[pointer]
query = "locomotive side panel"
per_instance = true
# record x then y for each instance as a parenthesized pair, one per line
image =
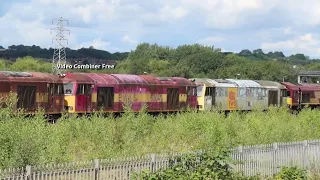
(155, 94)
(221, 98)
(251, 95)
(132, 92)
(276, 92)
(156, 98)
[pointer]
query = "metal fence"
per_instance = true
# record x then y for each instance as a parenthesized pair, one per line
(251, 160)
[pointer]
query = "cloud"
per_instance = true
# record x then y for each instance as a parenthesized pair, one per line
(98, 43)
(307, 44)
(211, 40)
(124, 23)
(128, 39)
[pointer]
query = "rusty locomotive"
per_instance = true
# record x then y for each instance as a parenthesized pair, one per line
(84, 93)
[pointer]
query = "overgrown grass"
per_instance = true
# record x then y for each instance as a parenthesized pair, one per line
(33, 141)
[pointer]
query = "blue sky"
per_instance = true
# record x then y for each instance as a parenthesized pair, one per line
(291, 26)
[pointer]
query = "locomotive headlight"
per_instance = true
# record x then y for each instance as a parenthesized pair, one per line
(69, 108)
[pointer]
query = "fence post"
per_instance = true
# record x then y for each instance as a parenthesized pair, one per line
(96, 164)
(240, 159)
(305, 154)
(153, 160)
(240, 149)
(275, 162)
(28, 172)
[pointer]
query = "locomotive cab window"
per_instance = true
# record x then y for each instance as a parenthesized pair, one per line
(192, 91)
(199, 90)
(209, 91)
(68, 88)
(58, 89)
(84, 89)
(286, 93)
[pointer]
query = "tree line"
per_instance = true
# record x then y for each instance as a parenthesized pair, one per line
(15, 51)
(185, 61)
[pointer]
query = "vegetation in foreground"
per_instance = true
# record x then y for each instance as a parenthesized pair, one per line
(215, 165)
(32, 141)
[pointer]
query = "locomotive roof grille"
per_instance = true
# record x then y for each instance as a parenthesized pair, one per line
(222, 81)
(164, 79)
(15, 74)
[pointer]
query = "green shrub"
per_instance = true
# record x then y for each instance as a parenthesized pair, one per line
(192, 166)
(33, 141)
(289, 173)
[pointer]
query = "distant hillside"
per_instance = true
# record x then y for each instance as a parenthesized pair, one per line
(88, 54)
(258, 54)
(92, 55)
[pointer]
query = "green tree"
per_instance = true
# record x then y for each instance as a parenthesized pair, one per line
(30, 64)
(2, 64)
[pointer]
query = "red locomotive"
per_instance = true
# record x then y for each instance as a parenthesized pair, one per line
(84, 93)
(301, 95)
(110, 92)
(33, 90)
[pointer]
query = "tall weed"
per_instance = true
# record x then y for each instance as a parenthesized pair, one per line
(33, 141)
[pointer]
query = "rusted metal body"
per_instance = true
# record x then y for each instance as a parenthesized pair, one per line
(300, 95)
(33, 90)
(111, 92)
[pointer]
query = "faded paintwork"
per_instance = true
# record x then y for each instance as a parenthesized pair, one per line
(226, 95)
(127, 88)
(275, 87)
(251, 94)
(310, 94)
(50, 103)
(76, 103)
(205, 102)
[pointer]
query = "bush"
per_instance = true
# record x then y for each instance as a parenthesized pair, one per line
(288, 173)
(193, 166)
(33, 141)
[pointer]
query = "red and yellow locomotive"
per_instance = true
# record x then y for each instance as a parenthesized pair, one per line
(301, 95)
(110, 92)
(33, 90)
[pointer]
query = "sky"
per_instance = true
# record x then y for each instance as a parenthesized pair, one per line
(290, 26)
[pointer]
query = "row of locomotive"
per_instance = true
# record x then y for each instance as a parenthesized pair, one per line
(245, 95)
(84, 93)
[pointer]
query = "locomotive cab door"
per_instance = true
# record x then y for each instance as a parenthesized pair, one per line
(50, 105)
(273, 98)
(88, 90)
(191, 93)
(84, 98)
(209, 98)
